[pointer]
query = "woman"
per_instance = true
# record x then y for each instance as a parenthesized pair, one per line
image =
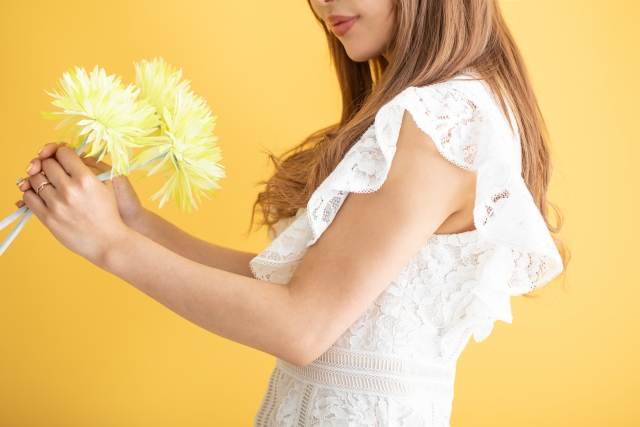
(397, 233)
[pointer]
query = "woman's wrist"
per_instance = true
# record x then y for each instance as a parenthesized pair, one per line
(139, 222)
(114, 248)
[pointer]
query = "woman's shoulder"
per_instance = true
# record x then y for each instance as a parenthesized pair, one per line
(466, 88)
(461, 115)
(465, 96)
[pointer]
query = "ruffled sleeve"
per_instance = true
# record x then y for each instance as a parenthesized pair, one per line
(468, 128)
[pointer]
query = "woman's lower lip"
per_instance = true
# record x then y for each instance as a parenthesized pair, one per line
(342, 28)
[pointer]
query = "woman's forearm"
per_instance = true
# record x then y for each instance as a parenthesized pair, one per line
(179, 241)
(255, 313)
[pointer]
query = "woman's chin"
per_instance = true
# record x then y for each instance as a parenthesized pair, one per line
(360, 55)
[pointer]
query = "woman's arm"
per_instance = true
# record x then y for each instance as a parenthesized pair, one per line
(163, 232)
(372, 237)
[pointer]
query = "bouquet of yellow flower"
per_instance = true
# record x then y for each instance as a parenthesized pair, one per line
(170, 126)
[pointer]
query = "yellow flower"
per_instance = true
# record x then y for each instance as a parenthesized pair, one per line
(158, 83)
(100, 107)
(188, 151)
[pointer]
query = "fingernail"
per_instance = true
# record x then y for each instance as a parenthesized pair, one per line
(29, 167)
(41, 148)
(20, 181)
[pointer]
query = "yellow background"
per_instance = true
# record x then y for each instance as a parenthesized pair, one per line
(79, 347)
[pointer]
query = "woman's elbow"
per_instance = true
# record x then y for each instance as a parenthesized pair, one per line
(308, 334)
(303, 353)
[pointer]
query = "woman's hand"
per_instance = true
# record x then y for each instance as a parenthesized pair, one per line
(79, 210)
(152, 225)
(129, 206)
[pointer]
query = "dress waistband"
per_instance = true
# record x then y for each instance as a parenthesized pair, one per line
(379, 374)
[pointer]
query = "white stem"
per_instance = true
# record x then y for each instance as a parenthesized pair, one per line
(82, 146)
(27, 212)
(107, 175)
(12, 235)
(8, 220)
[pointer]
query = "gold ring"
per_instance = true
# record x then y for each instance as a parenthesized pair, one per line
(20, 182)
(40, 187)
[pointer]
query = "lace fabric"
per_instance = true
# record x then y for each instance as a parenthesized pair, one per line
(376, 373)
(458, 285)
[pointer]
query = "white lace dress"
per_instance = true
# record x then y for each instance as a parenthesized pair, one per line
(395, 366)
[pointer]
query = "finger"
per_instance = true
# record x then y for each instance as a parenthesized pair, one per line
(45, 151)
(54, 172)
(20, 203)
(47, 191)
(49, 149)
(34, 166)
(36, 204)
(94, 163)
(94, 170)
(72, 163)
(25, 185)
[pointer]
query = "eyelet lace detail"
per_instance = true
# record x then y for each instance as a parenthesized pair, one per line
(456, 287)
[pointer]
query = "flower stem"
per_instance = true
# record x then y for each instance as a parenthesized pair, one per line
(82, 146)
(107, 175)
(12, 235)
(8, 220)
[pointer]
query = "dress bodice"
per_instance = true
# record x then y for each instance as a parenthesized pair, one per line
(395, 365)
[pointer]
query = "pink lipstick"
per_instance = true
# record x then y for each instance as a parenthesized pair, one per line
(341, 24)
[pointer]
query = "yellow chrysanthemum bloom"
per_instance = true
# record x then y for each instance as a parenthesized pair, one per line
(100, 107)
(159, 82)
(188, 154)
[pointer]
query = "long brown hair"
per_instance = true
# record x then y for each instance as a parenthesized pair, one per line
(435, 40)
